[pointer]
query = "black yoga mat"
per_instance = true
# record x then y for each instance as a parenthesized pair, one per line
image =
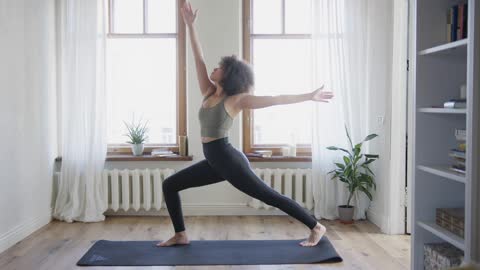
(208, 252)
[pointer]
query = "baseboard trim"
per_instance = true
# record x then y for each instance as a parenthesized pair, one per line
(207, 209)
(23, 230)
(375, 218)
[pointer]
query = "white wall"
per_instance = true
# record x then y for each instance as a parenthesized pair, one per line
(27, 117)
(28, 102)
(380, 106)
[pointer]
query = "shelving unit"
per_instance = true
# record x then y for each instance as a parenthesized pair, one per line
(439, 68)
(444, 172)
(443, 234)
(442, 110)
(445, 48)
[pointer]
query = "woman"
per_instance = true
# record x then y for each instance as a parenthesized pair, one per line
(225, 94)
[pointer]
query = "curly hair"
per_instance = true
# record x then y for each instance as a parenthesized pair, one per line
(237, 75)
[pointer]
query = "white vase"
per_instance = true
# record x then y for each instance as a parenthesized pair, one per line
(137, 149)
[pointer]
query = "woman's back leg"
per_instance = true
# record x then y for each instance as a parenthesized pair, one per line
(198, 174)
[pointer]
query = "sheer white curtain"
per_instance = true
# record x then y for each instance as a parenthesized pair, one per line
(346, 35)
(82, 109)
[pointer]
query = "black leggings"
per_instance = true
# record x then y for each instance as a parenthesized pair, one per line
(224, 162)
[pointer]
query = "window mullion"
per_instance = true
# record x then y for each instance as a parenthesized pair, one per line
(145, 16)
(283, 16)
(110, 17)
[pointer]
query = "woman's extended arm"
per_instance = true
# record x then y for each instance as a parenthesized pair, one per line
(202, 74)
(257, 102)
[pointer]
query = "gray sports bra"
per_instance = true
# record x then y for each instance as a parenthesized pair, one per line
(214, 121)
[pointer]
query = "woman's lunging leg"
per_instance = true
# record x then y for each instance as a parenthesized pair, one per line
(251, 184)
(198, 174)
(237, 170)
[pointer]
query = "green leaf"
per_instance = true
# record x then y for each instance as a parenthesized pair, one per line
(348, 136)
(338, 148)
(340, 165)
(368, 169)
(369, 137)
(137, 133)
(357, 158)
(368, 161)
(369, 195)
(371, 156)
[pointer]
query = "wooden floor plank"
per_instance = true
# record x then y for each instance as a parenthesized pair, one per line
(60, 245)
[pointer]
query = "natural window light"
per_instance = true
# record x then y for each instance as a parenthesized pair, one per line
(280, 54)
(142, 68)
(278, 73)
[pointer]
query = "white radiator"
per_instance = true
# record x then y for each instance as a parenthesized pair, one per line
(134, 189)
(142, 188)
(293, 183)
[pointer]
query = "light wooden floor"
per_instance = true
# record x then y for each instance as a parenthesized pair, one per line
(60, 245)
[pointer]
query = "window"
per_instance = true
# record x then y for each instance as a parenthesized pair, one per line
(277, 37)
(146, 71)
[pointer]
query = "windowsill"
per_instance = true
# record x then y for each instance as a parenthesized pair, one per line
(280, 159)
(130, 157)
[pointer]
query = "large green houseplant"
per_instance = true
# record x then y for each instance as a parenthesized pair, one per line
(355, 173)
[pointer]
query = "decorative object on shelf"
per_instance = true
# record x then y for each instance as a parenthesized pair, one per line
(293, 145)
(355, 174)
(137, 133)
(183, 145)
(451, 219)
(441, 256)
(461, 134)
(463, 91)
(285, 151)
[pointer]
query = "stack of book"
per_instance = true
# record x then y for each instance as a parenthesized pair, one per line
(457, 22)
(455, 103)
(158, 152)
(458, 153)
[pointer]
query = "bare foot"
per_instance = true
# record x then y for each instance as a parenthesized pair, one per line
(178, 239)
(315, 236)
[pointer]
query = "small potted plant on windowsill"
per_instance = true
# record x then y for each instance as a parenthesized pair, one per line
(137, 133)
(355, 174)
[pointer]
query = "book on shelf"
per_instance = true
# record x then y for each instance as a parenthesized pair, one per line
(457, 21)
(457, 153)
(449, 25)
(454, 11)
(455, 168)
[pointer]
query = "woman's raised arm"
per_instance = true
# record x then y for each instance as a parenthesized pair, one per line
(256, 102)
(202, 74)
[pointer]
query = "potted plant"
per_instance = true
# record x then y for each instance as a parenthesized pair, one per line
(137, 133)
(355, 173)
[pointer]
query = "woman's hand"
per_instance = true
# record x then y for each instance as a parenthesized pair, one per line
(320, 95)
(187, 13)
